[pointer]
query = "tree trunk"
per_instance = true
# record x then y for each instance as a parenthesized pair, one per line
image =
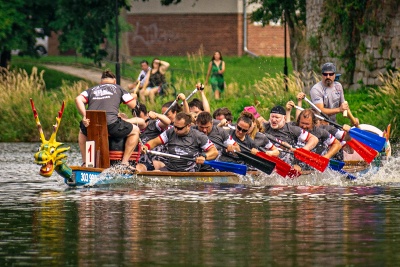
(5, 58)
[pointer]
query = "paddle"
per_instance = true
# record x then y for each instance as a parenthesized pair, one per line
(198, 87)
(263, 165)
(223, 166)
(365, 137)
(366, 152)
(281, 167)
(336, 164)
(313, 159)
(348, 175)
(136, 88)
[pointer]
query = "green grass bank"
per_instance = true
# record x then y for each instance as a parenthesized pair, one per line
(250, 81)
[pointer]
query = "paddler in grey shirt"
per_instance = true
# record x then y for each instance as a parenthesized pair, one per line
(204, 124)
(182, 140)
(285, 132)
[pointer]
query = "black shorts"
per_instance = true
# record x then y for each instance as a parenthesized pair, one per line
(118, 129)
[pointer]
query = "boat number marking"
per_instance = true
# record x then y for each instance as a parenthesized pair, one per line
(88, 177)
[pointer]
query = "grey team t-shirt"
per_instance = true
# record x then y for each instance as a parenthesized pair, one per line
(190, 145)
(331, 97)
(107, 97)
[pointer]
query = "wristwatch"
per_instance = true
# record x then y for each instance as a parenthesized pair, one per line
(203, 154)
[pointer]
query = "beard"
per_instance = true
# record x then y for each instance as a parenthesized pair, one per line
(278, 125)
(328, 82)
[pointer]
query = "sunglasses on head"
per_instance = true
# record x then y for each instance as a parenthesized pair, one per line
(179, 128)
(240, 129)
(328, 74)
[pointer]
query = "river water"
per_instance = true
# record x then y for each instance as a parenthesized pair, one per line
(318, 221)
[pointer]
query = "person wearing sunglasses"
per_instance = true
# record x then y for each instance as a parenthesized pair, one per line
(240, 135)
(204, 124)
(327, 94)
(184, 141)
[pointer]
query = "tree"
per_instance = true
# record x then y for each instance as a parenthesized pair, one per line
(294, 13)
(83, 24)
(19, 18)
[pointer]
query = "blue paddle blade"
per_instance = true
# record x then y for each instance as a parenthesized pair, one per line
(367, 138)
(227, 166)
(348, 175)
(336, 165)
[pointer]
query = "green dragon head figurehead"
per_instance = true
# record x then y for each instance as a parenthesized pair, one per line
(50, 155)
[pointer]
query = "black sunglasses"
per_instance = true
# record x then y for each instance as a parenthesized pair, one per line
(240, 129)
(328, 74)
(179, 128)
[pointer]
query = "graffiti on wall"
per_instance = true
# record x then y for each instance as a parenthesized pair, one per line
(151, 34)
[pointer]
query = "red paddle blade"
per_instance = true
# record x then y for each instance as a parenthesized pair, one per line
(293, 173)
(281, 167)
(313, 159)
(366, 152)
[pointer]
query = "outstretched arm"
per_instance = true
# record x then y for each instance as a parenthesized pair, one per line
(312, 141)
(165, 121)
(204, 99)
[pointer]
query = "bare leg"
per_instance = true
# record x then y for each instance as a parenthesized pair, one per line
(142, 95)
(158, 164)
(82, 145)
(152, 94)
(141, 167)
(130, 144)
(216, 94)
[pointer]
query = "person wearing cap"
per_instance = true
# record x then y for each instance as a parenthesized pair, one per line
(327, 94)
(257, 115)
(288, 133)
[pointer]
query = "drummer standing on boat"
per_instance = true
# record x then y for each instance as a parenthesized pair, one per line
(327, 94)
(108, 96)
(184, 141)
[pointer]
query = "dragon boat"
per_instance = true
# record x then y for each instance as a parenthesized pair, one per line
(103, 152)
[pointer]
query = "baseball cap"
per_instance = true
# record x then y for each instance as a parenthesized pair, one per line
(328, 67)
(278, 110)
(252, 110)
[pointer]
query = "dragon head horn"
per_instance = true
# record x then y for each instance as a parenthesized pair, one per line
(39, 126)
(58, 121)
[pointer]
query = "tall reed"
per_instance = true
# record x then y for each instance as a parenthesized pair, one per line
(16, 117)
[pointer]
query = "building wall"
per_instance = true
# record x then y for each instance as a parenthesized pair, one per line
(376, 53)
(176, 34)
(184, 28)
(268, 40)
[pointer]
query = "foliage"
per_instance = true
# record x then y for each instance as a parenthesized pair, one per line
(345, 21)
(264, 91)
(19, 18)
(84, 24)
(17, 88)
(54, 79)
(384, 101)
(294, 11)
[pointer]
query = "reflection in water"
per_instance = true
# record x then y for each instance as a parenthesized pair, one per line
(339, 223)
